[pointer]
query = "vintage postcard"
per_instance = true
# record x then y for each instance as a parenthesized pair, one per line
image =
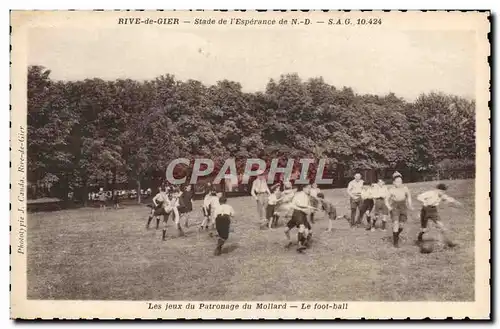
(250, 164)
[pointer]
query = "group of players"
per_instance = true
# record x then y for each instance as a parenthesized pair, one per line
(297, 206)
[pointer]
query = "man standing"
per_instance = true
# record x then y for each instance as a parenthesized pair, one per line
(354, 189)
(102, 198)
(260, 192)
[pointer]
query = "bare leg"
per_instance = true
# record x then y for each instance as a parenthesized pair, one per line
(287, 234)
(444, 234)
(301, 237)
(384, 222)
(218, 249)
(395, 232)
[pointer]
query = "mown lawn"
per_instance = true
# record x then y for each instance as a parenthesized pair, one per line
(89, 254)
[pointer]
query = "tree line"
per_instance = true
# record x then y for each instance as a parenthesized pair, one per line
(88, 133)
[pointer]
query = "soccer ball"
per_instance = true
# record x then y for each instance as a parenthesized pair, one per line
(427, 247)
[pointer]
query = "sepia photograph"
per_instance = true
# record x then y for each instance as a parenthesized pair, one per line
(250, 164)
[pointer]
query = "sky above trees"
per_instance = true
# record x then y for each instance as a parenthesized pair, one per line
(406, 63)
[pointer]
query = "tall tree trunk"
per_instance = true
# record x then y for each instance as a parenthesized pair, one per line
(85, 193)
(139, 189)
(113, 187)
(65, 189)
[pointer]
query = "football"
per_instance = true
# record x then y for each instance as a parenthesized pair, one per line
(427, 247)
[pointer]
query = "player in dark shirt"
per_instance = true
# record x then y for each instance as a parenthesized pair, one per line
(329, 209)
(186, 204)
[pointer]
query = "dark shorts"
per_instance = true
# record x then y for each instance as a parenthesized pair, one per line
(158, 210)
(399, 211)
(206, 211)
(355, 203)
(270, 211)
(222, 223)
(298, 218)
(332, 214)
(314, 202)
(379, 207)
(366, 205)
(428, 213)
(184, 210)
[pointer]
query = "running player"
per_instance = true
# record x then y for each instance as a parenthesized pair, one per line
(329, 209)
(301, 207)
(284, 205)
(157, 208)
(171, 206)
(272, 201)
(186, 204)
(224, 214)
(207, 210)
(398, 202)
(430, 201)
(379, 194)
(366, 206)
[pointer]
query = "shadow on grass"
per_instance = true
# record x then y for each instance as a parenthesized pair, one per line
(230, 248)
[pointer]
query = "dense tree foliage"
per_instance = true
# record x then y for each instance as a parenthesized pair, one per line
(91, 133)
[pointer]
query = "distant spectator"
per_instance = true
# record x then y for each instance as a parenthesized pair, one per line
(102, 198)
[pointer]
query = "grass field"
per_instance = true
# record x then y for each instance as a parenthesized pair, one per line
(89, 254)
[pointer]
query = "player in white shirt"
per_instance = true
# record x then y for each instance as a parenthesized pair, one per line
(210, 203)
(223, 215)
(157, 208)
(379, 194)
(171, 206)
(398, 203)
(354, 189)
(284, 205)
(272, 201)
(430, 201)
(301, 208)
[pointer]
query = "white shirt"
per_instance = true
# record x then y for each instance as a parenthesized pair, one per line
(260, 186)
(366, 193)
(379, 191)
(160, 197)
(287, 196)
(314, 192)
(399, 193)
(273, 199)
(206, 200)
(225, 209)
(214, 203)
(170, 204)
(301, 199)
(433, 198)
(354, 188)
